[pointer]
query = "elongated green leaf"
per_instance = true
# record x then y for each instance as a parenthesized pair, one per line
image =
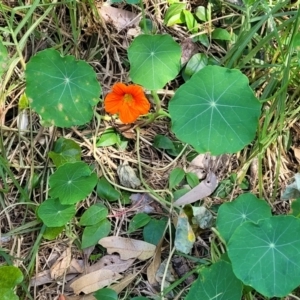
(154, 60)
(138, 221)
(72, 182)
(106, 294)
(174, 14)
(106, 191)
(93, 215)
(55, 214)
(153, 231)
(266, 255)
(4, 59)
(62, 90)
(215, 111)
(244, 208)
(92, 234)
(216, 282)
(176, 177)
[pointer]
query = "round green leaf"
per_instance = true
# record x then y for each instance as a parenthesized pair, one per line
(62, 90)
(72, 182)
(8, 294)
(244, 208)
(55, 214)
(106, 294)
(92, 234)
(10, 276)
(65, 150)
(215, 111)
(266, 255)
(154, 60)
(93, 215)
(216, 282)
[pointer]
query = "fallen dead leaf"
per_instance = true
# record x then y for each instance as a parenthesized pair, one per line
(111, 262)
(153, 267)
(128, 248)
(198, 166)
(204, 189)
(142, 203)
(296, 153)
(94, 281)
(82, 297)
(61, 265)
(127, 176)
(120, 286)
(120, 18)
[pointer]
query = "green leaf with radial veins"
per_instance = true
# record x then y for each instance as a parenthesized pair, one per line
(244, 208)
(215, 111)
(216, 282)
(266, 255)
(72, 182)
(154, 60)
(61, 90)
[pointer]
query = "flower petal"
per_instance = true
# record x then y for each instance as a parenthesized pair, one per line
(120, 89)
(128, 114)
(112, 103)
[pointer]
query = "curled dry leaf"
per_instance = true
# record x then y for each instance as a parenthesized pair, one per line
(160, 274)
(143, 203)
(203, 217)
(94, 281)
(127, 176)
(120, 18)
(128, 248)
(153, 267)
(204, 189)
(61, 265)
(111, 262)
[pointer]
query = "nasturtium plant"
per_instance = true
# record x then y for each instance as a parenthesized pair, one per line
(72, 182)
(93, 215)
(65, 150)
(10, 276)
(55, 214)
(216, 282)
(154, 60)
(215, 111)
(266, 255)
(61, 90)
(244, 208)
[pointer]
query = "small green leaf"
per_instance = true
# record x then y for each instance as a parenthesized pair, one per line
(132, 1)
(216, 282)
(106, 191)
(295, 206)
(196, 63)
(220, 116)
(221, 34)
(154, 230)
(266, 255)
(93, 215)
(244, 208)
(72, 182)
(65, 150)
(204, 40)
(55, 214)
(139, 298)
(10, 276)
(4, 59)
(176, 177)
(92, 234)
(192, 179)
(173, 14)
(190, 21)
(179, 193)
(106, 293)
(108, 138)
(138, 221)
(296, 41)
(162, 142)
(61, 89)
(51, 233)
(149, 55)
(201, 13)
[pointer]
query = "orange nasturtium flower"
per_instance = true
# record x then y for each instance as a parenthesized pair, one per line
(129, 101)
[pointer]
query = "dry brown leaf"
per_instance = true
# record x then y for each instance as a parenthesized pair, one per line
(111, 262)
(82, 297)
(127, 176)
(94, 281)
(296, 153)
(41, 278)
(198, 166)
(204, 189)
(189, 48)
(61, 265)
(120, 286)
(120, 18)
(128, 248)
(76, 266)
(153, 267)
